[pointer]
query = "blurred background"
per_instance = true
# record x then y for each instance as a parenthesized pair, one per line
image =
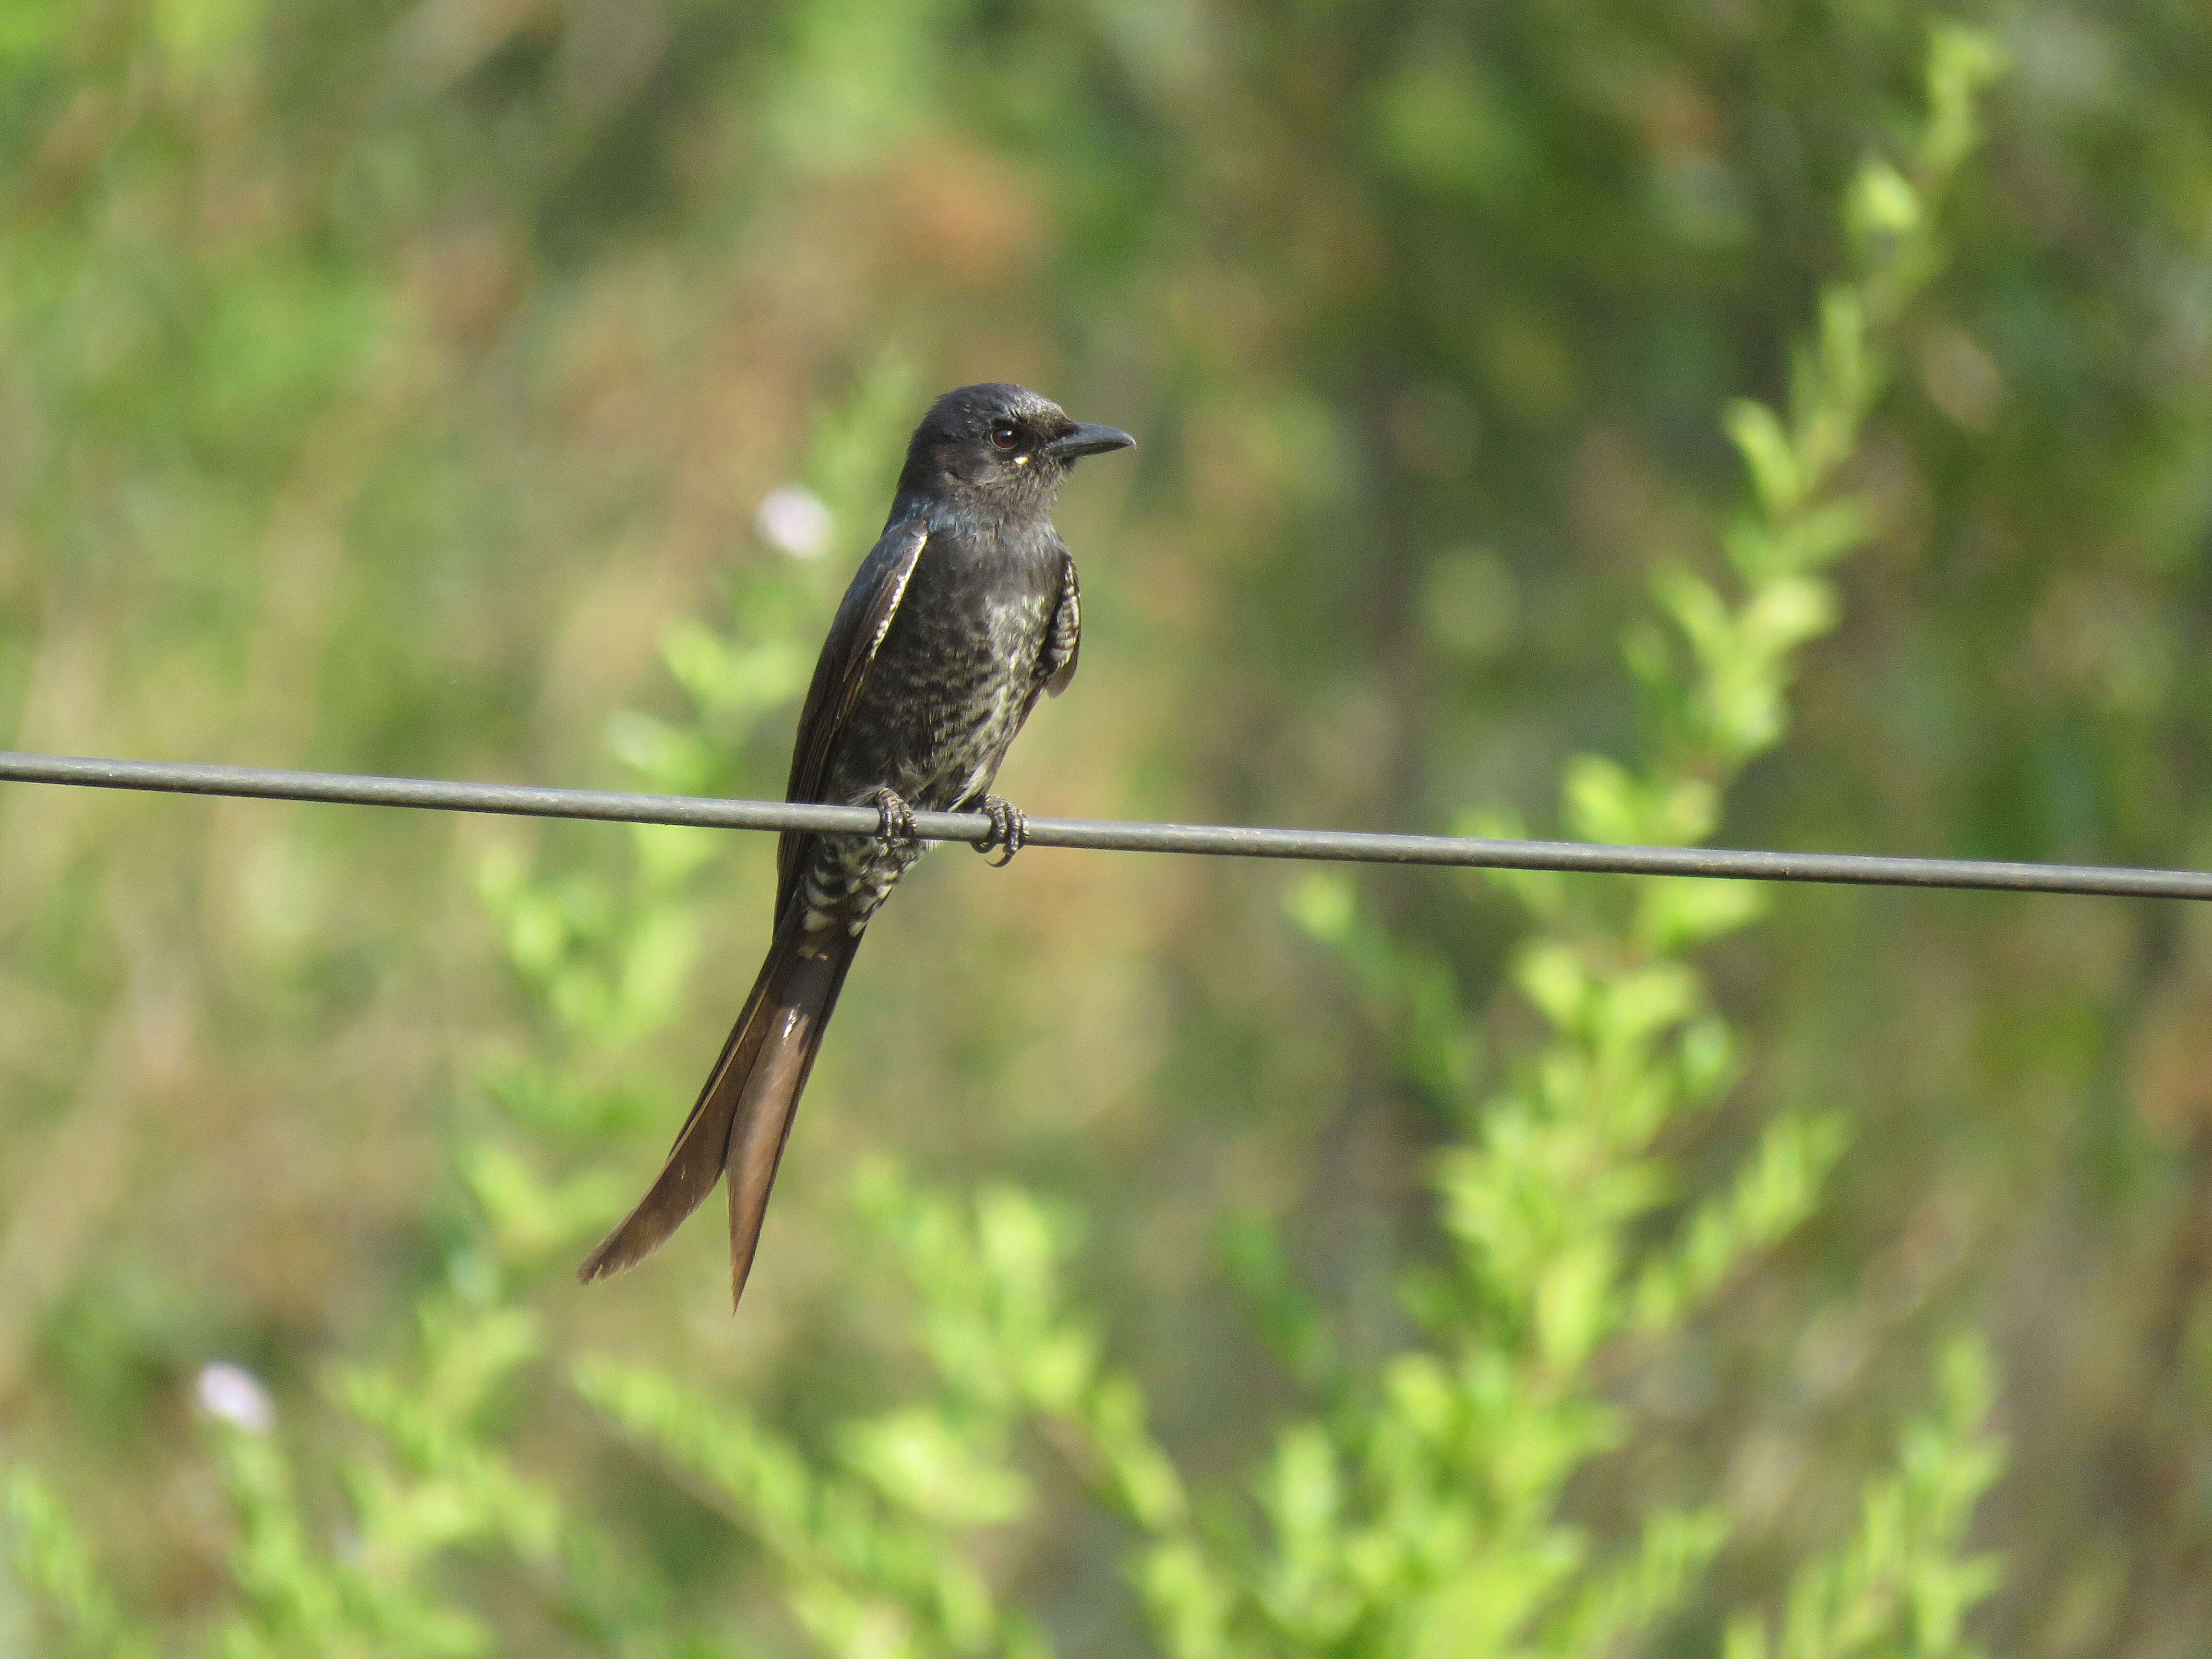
(397, 387)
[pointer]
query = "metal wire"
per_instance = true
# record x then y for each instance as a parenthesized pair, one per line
(1227, 840)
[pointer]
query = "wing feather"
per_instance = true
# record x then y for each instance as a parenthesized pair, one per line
(1065, 641)
(863, 618)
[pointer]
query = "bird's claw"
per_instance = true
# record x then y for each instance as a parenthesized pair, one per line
(894, 820)
(1010, 829)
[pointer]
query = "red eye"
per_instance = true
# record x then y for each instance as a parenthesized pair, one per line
(1003, 434)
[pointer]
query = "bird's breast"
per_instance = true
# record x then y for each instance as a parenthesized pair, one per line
(956, 670)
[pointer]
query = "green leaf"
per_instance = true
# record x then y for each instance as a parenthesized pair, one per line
(1766, 452)
(1322, 903)
(1881, 202)
(53, 1562)
(1675, 915)
(922, 1464)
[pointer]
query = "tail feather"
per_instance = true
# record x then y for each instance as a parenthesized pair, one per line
(744, 1113)
(770, 1102)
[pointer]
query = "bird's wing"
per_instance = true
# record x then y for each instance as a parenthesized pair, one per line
(856, 635)
(1066, 639)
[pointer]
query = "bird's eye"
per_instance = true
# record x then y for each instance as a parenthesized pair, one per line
(1003, 434)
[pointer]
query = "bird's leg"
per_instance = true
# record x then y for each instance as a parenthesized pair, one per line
(1010, 828)
(895, 819)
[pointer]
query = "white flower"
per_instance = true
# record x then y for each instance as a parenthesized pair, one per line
(792, 519)
(231, 1394)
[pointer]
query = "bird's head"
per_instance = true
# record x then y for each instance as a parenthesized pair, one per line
(999, 447)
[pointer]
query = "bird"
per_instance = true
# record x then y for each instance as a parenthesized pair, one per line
(963, 614)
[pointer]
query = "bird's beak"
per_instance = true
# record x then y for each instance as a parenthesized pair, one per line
(1088, 441)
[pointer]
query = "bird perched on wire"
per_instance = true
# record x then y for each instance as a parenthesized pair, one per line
(963, 614)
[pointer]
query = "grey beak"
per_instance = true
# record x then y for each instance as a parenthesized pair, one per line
(1089, 441)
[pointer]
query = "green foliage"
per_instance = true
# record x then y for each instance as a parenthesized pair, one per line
(1425, 1505)
(868, 1557)
(53, 1562)
(1551, 1201)
(380, 379)
(1904, 1583)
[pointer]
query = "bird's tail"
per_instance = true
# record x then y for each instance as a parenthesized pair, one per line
(744, 1112)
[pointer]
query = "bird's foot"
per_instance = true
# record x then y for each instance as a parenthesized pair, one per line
(895, 820)
(1010, 829)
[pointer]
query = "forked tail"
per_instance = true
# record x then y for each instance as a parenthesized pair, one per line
(744, 1114)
